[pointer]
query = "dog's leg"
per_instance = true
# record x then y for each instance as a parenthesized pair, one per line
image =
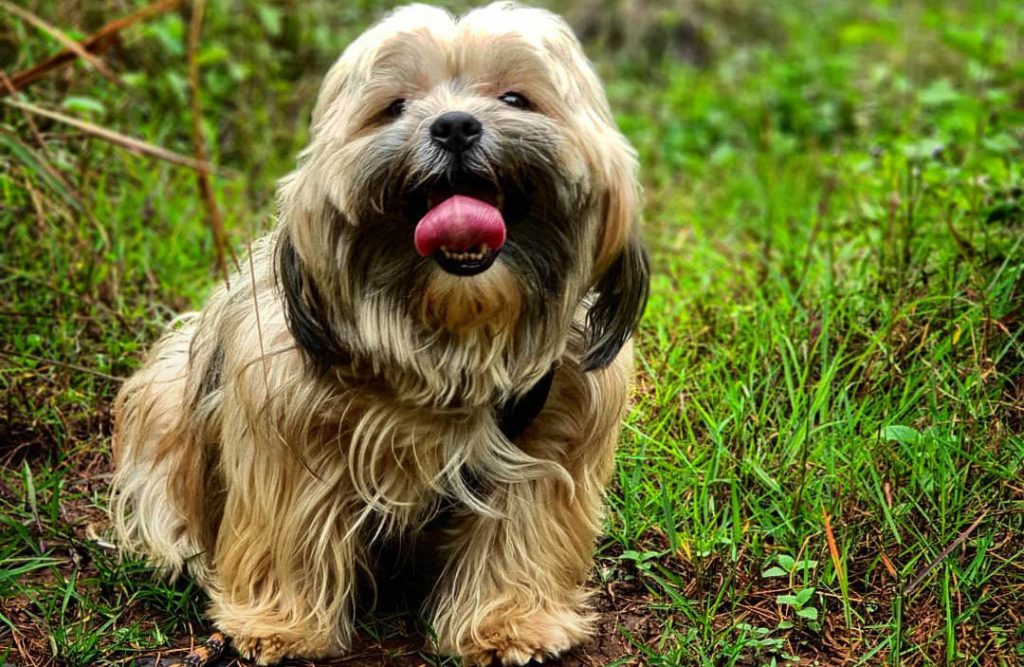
(285, 577)
(147, 449)
(513, 588)
(285, 557)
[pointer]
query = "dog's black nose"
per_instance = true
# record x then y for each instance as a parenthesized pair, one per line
(456, 131)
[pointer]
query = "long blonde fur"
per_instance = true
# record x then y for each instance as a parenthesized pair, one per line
(272, 484)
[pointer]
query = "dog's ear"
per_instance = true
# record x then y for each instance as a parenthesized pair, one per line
(308, 228)
(305, 313)
(621, 272)
(621, 294)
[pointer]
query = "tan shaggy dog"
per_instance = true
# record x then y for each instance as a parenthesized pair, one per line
(431, 348)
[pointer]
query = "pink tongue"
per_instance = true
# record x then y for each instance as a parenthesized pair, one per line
(459, 223)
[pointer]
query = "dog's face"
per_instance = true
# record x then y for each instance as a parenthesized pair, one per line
(464, 188)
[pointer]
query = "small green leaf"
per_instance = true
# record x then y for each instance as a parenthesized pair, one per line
(30, 489)
(215, 53)
(1000, 143)
(270, 17)
(939, 93)
(774, 571)
(901, 434)
(787, 562)
(82, 104)
(810, 613)
(804, 596)
(170, 33)
(787, 600)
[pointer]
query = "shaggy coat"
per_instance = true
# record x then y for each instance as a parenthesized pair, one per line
(343, 392)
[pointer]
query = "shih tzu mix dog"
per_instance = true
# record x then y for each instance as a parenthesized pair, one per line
(434, 339)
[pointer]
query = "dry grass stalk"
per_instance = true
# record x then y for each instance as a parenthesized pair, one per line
(214, 218)
(96, 43)
(130, 143)
(964, 534)
(62, 37)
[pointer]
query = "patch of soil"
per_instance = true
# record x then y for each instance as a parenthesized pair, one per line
(621, 606)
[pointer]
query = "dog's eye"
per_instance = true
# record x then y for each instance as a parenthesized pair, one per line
(515, 100)
(395, 109)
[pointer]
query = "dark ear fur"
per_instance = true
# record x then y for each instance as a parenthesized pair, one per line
(615, 313)
(304, 310)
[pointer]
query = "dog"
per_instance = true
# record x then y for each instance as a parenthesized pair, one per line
(434, 337)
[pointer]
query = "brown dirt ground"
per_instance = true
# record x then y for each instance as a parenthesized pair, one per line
(621, 607)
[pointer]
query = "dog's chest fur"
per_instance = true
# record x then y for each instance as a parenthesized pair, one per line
(353, 432)
(404, 462)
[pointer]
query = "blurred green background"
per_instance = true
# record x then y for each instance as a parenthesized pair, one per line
(824, 458)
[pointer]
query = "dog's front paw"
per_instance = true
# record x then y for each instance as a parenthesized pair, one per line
(513, 639)
(263, 650)
(275, 648)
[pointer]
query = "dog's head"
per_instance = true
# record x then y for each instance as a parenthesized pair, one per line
(464, 188)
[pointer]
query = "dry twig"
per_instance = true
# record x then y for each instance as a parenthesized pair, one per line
(61, 36)
(98, 42)
(945, 552)
(61, 364)
(130, 143)
(205, 188)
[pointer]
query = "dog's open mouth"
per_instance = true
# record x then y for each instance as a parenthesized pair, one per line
(463, 228)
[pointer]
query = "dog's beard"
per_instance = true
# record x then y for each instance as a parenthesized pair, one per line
(444, 338)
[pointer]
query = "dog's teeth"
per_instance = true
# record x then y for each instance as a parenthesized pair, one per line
(477, 254)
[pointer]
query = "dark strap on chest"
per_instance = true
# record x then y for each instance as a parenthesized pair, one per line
(516, 415)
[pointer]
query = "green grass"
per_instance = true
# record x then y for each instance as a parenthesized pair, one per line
(835, 207)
